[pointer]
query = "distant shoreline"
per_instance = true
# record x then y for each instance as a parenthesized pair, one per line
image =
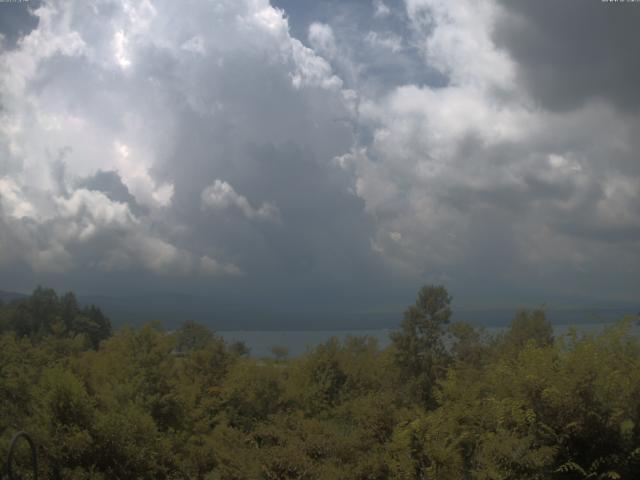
(260, 342)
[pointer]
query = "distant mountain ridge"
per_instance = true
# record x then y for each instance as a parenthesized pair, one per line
(6, 296)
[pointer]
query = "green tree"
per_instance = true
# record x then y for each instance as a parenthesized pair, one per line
(419, 347)
(468, 344)
(44, 313)
(319, 377)
(193, 336)
(239, 349)
(528, 327)
(279, 352)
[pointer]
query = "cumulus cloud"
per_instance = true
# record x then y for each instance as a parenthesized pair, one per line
(391, 41)
(456, 39)
(118, 120)
(89, 92)
(473, 177)
(88, 229)
(221, 195)
(381, 10)
(322, 40)
(406, 140)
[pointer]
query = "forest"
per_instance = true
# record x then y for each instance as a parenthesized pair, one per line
(445, 400)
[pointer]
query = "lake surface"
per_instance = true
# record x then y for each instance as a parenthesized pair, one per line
(298, 342)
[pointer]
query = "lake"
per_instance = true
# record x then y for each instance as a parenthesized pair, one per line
(299, 341)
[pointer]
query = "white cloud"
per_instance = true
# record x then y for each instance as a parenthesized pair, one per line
(194, 44)
(322, 40)
(220, 195)
(211, 266)
(120, 49)
(472, 175)
(455, 38)
(88, 226)
(13, 201)
(95, 207)
(312, 70)
(111, 86)
(388, 41)
(160, 256)
(380, 10)
(448, 174)
(133, 168)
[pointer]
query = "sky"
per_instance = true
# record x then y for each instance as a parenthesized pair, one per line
(321, 157)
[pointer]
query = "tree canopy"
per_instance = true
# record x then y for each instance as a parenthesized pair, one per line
(442, 401)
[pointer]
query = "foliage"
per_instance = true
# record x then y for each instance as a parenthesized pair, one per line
(45, 313)
(420, 350)
(443, 401)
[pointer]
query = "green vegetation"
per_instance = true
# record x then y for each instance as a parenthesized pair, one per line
(443, 401)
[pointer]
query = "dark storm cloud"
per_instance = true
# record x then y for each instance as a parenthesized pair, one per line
(272, 146)
(572, 51)
(17, 20)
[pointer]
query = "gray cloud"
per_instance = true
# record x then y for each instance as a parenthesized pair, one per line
(326, 161)
(111, 185)
(148, 118)
(573, 51)
(221, 196)
(475, 185)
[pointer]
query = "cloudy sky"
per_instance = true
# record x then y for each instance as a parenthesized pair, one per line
(304, 153)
